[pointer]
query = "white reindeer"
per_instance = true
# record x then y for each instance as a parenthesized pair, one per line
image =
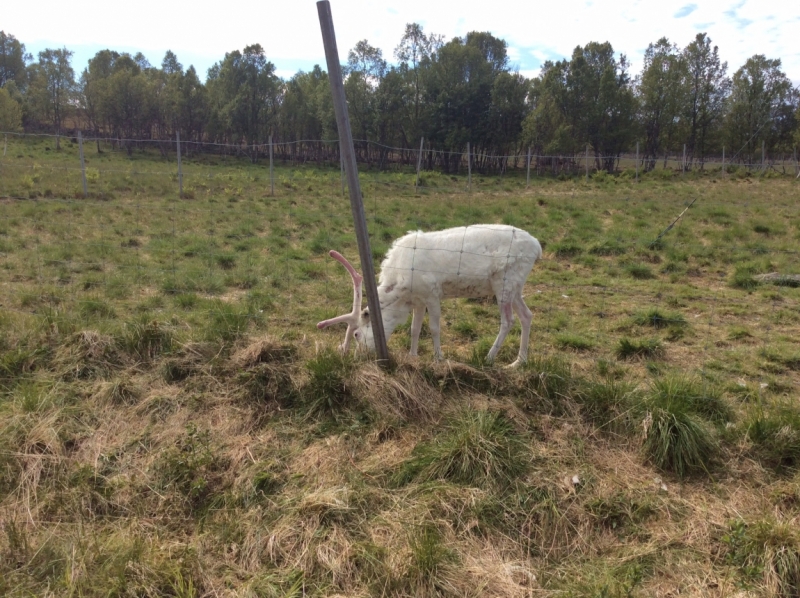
(421, 269)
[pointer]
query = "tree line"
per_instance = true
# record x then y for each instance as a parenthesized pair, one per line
(448, 92)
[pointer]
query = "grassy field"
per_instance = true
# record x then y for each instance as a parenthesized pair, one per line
(173, 424)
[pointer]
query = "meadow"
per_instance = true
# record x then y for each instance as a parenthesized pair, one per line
(172, 423)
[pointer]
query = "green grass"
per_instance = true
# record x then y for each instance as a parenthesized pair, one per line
(476, 448)
(173, 423)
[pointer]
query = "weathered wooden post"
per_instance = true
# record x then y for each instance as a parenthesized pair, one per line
(349, 162)
(723, 161)
(683, 167)
(528, 177)
(637, 161)
(469, 167)
(271, 170)
(419, 161)
(83, 164)
(763, 157)
(587, 162)
(180, 168)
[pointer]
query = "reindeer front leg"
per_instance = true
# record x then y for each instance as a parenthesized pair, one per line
(434, 316)
(416, 327)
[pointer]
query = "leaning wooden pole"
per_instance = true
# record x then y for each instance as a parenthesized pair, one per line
(351, 169)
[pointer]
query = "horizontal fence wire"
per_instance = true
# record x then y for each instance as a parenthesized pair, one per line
(518, 160)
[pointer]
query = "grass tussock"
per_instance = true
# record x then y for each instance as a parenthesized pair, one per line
(329, 389)
(403, 395)
(775, 434)
(639, 349)
(766, 554)
(475, 448)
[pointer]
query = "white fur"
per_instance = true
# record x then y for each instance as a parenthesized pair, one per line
(422, 268)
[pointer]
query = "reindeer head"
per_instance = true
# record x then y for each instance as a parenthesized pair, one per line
(358, 323)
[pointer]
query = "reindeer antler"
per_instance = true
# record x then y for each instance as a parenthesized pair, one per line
(350, 319)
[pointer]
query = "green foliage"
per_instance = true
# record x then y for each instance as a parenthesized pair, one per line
(475, 448)
(765, 552)
(10, 113)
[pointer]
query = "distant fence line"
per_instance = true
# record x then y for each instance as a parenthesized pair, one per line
(325, 152)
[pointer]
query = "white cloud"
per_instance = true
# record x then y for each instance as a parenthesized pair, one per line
(289, 31)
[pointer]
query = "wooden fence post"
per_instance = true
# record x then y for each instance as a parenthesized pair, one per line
(83, 164)
(180, 167)
(723, 161)
(419, 161)
(587, 162)
(349, 160)
(683, 166)
(763, 157)
(528, 177)
(469, 167)
(637, 161)
(271, 170)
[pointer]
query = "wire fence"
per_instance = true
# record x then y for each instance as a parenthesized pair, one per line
(257, 255)
(372, 154)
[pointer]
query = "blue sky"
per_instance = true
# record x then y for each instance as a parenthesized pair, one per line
(200, 32)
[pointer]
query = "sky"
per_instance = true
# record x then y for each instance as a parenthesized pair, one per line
(201, 32)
